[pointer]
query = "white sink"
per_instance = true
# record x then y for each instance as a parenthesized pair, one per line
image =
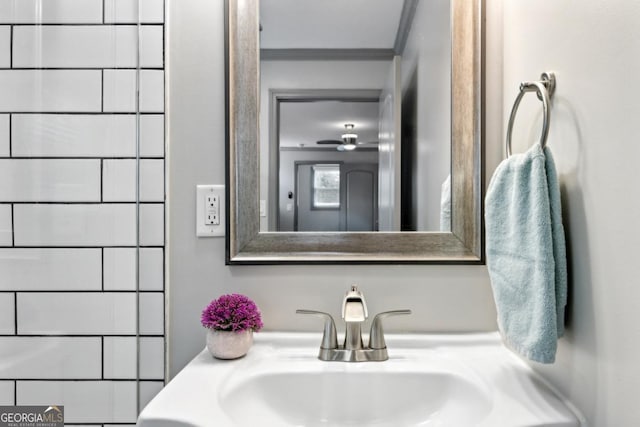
(364, 398)
(429, 380)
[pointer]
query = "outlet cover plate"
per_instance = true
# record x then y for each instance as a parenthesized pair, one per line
(203, 228)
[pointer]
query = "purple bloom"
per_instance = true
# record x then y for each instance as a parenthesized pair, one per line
(233, 312)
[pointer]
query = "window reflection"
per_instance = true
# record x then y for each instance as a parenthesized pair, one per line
(326, 186)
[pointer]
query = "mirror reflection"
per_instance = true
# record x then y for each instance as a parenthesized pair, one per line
(355, 115)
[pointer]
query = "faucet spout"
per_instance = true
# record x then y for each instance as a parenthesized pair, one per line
(354, 313)
(354, 307)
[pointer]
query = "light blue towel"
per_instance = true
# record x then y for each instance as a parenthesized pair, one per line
(526, 253)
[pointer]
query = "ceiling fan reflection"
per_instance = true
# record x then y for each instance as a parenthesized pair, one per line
(349, 140)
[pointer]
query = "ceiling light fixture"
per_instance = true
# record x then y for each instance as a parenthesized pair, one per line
(349, 137)
(346, 147)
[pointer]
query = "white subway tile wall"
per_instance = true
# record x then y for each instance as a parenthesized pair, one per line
(86, 46)
(74, 135)
(126, 11)
(152, 91)
(50, 90)
(51, 180)
(6, 225)
(84, 401)
(151, 269)
(119, 178)
(151, 317)
(151, 46)
(50, 357)
(152, 224)
(120, 91)
(79, 313)
(152, 358)
(152, 135)
(7, 313)
(80, 46)
(69, 261)
(120, 358)
(119, 269)
(76, 224)
(4, 135)
(51, 12)
(40, 269)
(7, 396)
(151, 180)
(5, 46)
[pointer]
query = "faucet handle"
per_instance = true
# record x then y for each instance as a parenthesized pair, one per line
(329, 337)
(376, 336)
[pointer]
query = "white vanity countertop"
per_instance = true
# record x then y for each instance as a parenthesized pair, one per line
(508, 393)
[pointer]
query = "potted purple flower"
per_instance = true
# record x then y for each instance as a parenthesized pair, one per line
(230, 321)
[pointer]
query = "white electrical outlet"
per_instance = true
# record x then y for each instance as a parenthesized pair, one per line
(212, 209)
(210, 217)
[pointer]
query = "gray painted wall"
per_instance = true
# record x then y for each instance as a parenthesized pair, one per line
(594, 137)
(426, 86)
(443, 298)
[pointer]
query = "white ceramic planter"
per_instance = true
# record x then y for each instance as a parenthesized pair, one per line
(229, 345)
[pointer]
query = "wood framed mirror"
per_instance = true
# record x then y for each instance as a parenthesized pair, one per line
(247, 244)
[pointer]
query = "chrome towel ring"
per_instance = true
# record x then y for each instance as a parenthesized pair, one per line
(544, 89)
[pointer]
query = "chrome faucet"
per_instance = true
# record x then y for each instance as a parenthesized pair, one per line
(354, 314)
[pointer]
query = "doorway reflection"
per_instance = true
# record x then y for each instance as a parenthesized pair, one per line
(328, 169)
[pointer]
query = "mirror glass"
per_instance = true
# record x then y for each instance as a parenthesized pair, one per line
(366, 85)
(354, 131)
